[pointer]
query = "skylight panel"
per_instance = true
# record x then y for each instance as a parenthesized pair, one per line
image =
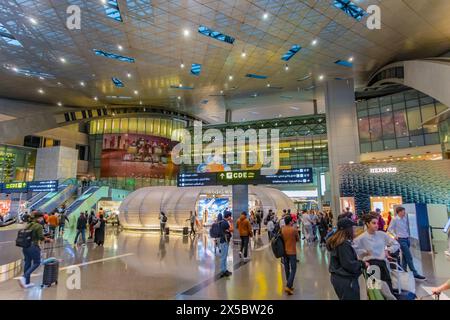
(29, 73)
(350, 8)
(255, 76)
(117, 82)
(8, 37)
(292, 51)
(113, 56)
(344, 63)
(196, 69)
(215, 34)
(112, 10)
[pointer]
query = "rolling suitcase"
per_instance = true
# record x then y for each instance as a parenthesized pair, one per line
(166, 230)
(185, 231)
(51, 269)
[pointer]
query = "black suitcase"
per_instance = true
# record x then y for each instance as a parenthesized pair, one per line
(50, 276)
(167, 230)
(185, 231)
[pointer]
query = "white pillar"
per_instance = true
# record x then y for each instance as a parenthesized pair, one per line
(342, 131)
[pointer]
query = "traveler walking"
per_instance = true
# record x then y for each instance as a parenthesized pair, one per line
(290, 238)
(307, 225)
(371, 247)
(323, 228)
(245, 233)
(81, 228)
(345, 268)
(53, 224)
(224, 240)
(258, 217)
(191, 220)
(381, 222)
(99, 227)
(162, 222)
(92, 220)
(31, 250)
(400, 229)
(270, 227)
(62, 222)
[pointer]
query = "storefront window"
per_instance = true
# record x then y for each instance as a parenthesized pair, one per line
(387, 122)
(375, 128)
(414, 121)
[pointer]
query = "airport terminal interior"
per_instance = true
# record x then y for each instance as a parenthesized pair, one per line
(132, 131)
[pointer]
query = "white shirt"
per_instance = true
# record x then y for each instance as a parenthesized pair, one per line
(399, 227)
(270, 226)
(375, 244)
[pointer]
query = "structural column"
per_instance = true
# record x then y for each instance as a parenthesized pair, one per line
(240, 203)
(342, 131)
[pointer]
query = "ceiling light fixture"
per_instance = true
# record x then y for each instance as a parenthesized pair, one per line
(41, 91)
(63, 60)
(186, 32)
(119, 47)
(182, 65)
(95, 98)
(350, 59)
(268, 85)
(243, 54)
(230, 77)
(179, 98)
(59, 104)
(221, 91)
(314, 42)
(140, 102)
(32, 20)
(129, 75)
(82, 84)
(286, 67)
(136, 92)
(265, 15)
(180, 85)
(321, 77)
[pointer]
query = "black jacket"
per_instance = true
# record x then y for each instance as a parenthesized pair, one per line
(81, 223)
(344, 261)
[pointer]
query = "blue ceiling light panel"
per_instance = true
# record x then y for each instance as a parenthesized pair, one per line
(196, 69)
(8, 37)
(255, 76)
(292, 51)
(350, 8)
(215, 34)
(113, 56)
(112, 10)
(344, 63)
(117, 82)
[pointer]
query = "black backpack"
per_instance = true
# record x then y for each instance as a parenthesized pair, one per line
(23, 239)
(164, 219)
(277, 245)
(214, 232)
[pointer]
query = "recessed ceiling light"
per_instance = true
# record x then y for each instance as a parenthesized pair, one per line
(314, 42)
(32, 20)
(15, 69)
(82, 83)
(140, 102)
(221, 91)
(186, 32)
(119, 47)
(286, 67)
(182, 65)
(350, 59)
(41, 78)
(136, 92)
(103, 1)
(95, 98)
(129, 75)
(265, 15)
(268, 85)
(59, 84)
(63, 60)
(230, 78)
(41, 91)
(179, 98)
(59, 104)
(321, 77)
(243, 54)
(180, 85)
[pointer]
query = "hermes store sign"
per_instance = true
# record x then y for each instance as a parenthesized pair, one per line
(384, 170)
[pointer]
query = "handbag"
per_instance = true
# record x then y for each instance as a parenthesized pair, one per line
(373, 287)
(98, 224)
(402, 280)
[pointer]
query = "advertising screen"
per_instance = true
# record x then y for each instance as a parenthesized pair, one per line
(5, 206)
(209, 208)
(137, 155)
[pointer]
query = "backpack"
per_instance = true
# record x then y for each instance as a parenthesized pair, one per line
(277, 245)
(23, 239)
(214, 232)
(164, 219)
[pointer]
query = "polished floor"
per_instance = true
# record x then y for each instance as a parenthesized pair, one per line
(134, 265)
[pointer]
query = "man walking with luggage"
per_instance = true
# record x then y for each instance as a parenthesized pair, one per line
(290, 238)
(400, 229)
(245, 232)
(162, 222)
(32, 251)
(81, 229)
(192, 222)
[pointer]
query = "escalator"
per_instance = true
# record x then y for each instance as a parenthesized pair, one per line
(85, 203)
(47, 202)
